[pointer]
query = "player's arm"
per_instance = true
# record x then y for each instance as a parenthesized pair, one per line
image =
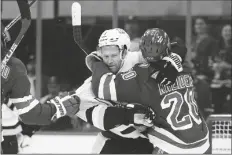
(99, 113)
(33, 112)
(100, 76)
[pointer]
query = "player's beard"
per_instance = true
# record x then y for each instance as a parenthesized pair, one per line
(116, 68)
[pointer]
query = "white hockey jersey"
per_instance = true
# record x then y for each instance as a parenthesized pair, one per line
(10, 121)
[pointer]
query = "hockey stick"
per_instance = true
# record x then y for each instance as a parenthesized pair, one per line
(16, 19)
(76, 24)
(26, 21)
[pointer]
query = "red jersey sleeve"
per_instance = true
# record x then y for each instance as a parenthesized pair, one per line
(28, 107)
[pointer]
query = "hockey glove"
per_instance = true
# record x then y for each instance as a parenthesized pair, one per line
(65, 105)
(91, 58)
(178, 46)
(175, 60)
(140, 115)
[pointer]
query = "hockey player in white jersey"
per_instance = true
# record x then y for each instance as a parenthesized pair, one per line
(116, 132)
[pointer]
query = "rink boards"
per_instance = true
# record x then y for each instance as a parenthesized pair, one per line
(61, 143)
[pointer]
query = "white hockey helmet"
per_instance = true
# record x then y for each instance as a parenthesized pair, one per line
(116, 37)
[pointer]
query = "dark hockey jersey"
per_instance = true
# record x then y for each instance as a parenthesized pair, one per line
(15, 88)
(179, 126)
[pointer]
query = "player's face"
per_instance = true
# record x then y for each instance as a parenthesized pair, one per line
(111, 57)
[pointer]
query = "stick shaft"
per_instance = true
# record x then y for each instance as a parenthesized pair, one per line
(16, 19)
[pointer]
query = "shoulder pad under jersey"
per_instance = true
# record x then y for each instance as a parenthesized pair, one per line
(13, 69)
(17, 67)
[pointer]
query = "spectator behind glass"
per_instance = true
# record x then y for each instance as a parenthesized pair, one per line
(32, 77)
(221, 83)
(202, 89)
(204, 48)
(53, 87)
(132, 28)
(225, 44)
(31, 73)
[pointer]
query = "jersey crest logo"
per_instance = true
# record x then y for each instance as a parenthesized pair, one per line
(129, 75)
(5, 72)
(144, 65)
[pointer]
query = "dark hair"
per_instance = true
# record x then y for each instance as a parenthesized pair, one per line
(53, 80)
(221, 40)
(131, 20)
(205, 19)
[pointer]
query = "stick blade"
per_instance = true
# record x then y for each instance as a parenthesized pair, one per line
(76, 14)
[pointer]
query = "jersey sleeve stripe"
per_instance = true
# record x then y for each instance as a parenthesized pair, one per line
(101, 86)
(171, 136)
(173, 149)
(106, 88)
(18, 100)
(98, 116)
(12, 131)
(120, 129)
(113, 89)
(128, 130)
(20, 105)
(171, 139)
(28, 108)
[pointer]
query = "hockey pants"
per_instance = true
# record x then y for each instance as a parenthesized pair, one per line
(10, 145)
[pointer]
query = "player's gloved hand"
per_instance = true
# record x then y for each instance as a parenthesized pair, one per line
(178, 46)
(140, 115)
(175, 60)
(65, 105)
(23, 141)
(91, 58)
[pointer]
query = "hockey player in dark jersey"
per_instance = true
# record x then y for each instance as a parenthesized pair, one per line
(15, 89)
(178, 126)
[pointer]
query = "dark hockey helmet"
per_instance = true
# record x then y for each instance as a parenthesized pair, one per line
(154, 44)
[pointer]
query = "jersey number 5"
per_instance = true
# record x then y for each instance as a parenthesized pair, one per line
(175, 100)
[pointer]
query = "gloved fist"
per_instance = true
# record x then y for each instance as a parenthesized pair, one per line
(178, 46)
(91, 58)
(140, 115)
(66, 105)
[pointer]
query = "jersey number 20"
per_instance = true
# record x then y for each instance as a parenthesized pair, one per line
(175, 100)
